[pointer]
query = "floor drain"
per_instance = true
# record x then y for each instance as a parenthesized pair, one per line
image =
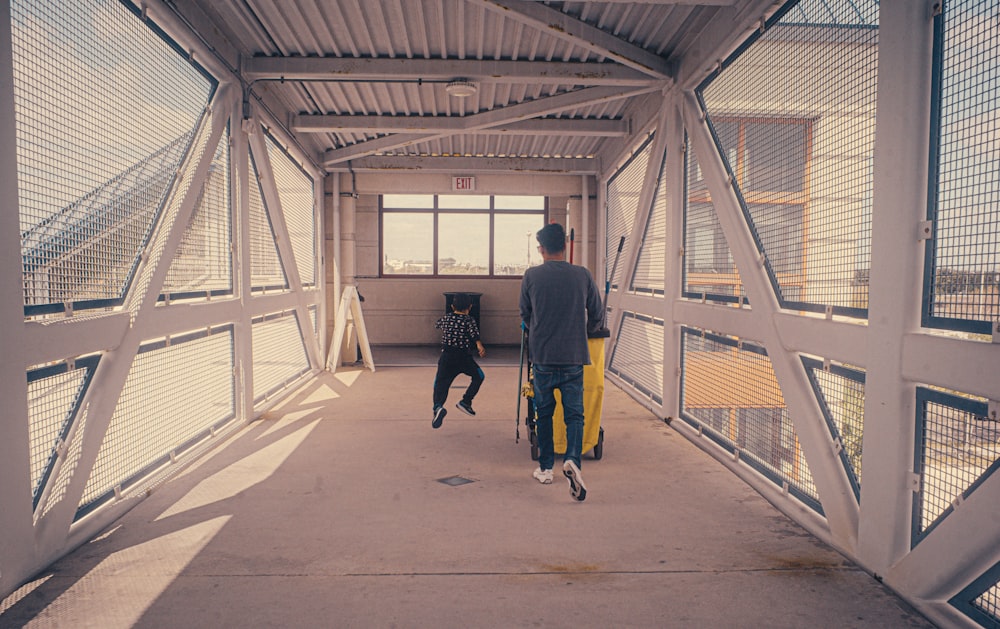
(455, 481)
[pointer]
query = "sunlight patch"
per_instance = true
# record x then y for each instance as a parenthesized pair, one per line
(321, 394)
(347, 377)
(136, 576)
(241, 475)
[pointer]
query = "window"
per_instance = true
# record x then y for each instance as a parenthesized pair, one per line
(460, 234)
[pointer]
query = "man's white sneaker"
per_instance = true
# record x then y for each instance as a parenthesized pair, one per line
(576, 487)
(543, 476)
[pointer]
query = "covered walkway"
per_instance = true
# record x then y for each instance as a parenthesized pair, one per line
(330, 511)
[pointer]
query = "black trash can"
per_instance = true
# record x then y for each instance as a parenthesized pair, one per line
(449, 299)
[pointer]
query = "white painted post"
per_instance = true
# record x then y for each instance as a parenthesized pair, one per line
(902, 123)
(16, 542)
(673, 172)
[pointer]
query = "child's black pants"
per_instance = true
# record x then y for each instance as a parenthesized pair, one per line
(451, 363)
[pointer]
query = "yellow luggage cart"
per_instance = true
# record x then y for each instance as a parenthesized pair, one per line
(593, 405)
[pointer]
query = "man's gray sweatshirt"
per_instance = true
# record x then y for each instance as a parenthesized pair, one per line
(560, 304)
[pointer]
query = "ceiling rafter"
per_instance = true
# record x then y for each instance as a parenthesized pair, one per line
(436, 124)
(440, 70)
(506, 115)
(569, 29)
(472, 165)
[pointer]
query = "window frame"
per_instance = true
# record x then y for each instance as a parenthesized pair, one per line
(436, 211)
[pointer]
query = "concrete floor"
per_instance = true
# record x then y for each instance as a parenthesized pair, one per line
(331, 512)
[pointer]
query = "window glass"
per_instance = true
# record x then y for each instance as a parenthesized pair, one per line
(464, 202)
(514, 244)
(460, 234)
(408, 201)
(464, 244)
(501, 202)
(408, 243)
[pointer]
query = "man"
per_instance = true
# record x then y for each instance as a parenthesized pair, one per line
(560, 304)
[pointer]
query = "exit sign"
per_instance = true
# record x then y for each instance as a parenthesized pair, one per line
(463, 183)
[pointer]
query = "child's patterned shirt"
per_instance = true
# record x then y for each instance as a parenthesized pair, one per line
(458, 331)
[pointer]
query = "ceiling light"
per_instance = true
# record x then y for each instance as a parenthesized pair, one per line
(461, 88)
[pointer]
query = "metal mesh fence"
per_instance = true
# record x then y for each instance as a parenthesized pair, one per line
(980, 600)
(266, 271)
(709, 270)
(962, 283)
(798, 141)
(989, 603)
(841, 392)
(624, 188)
(203, 264)
(54, 395)
(177, 390)
(957, 446)
(730, 392)
(101, 128)
(649, 269)
(295, 189)
(279, 353)
(637, 357)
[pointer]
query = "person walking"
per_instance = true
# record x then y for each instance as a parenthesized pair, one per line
(559, 304)
(459, 333)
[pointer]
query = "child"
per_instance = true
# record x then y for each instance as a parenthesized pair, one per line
(458, 332)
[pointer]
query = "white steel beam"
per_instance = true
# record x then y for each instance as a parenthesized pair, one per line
(674, 170)
(56, 525)
(725, 33)
(900, 167)
(821, 452)
(637, 233)
(959, 365)
(567, 28)
(332, 123)
(492, 118)
(484, 71)
(471, 165)
(275, 211)
(17, 545)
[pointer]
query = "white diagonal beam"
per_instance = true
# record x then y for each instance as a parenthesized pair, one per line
(492, 118)
(441, 70)
(309, 123)
(569, 29)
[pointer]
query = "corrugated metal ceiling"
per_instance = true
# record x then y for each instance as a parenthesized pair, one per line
(358, 81)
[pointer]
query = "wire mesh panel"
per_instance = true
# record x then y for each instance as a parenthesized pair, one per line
(957, 446)
(962, 283)
(176, 393)
(624, 188)
(637, 357)
(980, 600)
(203, 264)
(295, 189)
(101, 128)
(709, 270)
(266, 270)
(798, 140)
(54, 395)
(841, 392)
(649, 267)
(279, 353)
(730, 392)
(314, 317)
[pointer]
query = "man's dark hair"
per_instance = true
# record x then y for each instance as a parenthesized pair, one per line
(552, 238)
(461, 301)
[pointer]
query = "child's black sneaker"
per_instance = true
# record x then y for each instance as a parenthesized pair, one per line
(439, 414)
(466, 408)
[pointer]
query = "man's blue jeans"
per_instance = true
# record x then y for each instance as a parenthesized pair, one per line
(569, 380)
